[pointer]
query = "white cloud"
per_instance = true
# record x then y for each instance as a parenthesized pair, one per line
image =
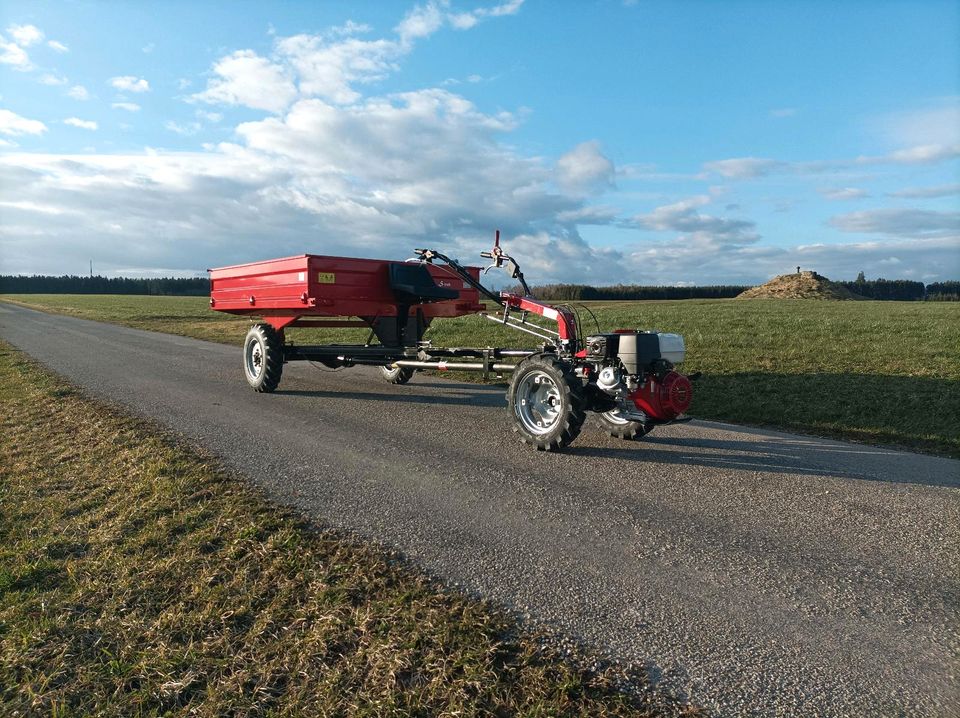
(466, 20)
(50, 79)
(744, 167)
(945, 190)
(78, 92)
(188, 129)
(421, 21)
(14, 55)
(82, 124)
(8, 143)
(148, 48)
(585, 169)
(906, 223)
(918, 155)
(936, 123)
(783, 112)
(128, 106)
(700, 230)
(129, 83)
(843, 193)
(209, 116)
(57, 46)
(25, 35)
(679, 260)
(329, 70)
(245, 78)
(13, 124)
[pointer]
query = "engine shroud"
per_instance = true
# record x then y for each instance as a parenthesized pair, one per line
(638, 351)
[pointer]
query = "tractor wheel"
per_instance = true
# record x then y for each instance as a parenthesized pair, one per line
(547, 402)
(396, 374)
(263, 357)
(611, 423)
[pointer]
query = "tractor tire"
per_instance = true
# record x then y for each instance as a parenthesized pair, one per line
(547, 402)
(397, 374)
(263, 357)
(611, 424)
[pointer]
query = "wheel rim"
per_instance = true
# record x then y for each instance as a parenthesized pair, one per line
(615, 417)
(538, 402)
(254, 359)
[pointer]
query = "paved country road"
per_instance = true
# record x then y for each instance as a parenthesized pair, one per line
(757, 572)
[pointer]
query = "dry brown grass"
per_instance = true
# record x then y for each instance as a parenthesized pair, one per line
(136, 578)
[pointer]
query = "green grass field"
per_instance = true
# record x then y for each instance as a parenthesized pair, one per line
(139, 579)
(879, 372)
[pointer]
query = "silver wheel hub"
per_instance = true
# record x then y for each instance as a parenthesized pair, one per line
(538, 402)
(255, 359)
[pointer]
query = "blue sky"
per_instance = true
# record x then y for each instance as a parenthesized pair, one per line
(650, 142)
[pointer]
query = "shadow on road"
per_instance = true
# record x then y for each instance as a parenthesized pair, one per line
(768, 453)
(471, 398)
(774, 454)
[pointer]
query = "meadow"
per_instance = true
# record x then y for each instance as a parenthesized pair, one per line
(886, 373)
(138, 578)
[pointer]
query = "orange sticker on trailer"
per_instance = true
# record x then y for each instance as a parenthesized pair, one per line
(326, 277)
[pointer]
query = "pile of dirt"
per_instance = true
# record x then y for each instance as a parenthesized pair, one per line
(803, 285)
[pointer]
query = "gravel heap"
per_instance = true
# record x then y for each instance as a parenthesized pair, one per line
(803, 285)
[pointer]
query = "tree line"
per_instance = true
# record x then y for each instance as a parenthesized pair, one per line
(882, 289)
(69, 284)
(584, 292)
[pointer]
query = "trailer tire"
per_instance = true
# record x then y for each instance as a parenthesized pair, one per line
(263, 357)
(396, 374)
(547, 402)
(620, 429)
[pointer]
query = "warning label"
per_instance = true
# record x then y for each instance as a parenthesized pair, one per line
(326, 277)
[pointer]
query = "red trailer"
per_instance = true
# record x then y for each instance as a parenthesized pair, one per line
(627, 377)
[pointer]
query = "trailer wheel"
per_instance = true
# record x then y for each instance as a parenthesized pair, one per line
(396, 374)
(611, 423)
(547, 403)
(263, 357)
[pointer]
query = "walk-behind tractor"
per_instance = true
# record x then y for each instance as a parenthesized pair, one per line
(626, 377)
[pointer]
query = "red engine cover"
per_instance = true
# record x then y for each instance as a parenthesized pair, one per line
(664, 400)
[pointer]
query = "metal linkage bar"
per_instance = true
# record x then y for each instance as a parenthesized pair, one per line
(520, 325)
(454, 365)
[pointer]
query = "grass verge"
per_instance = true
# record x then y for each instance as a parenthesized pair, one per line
(879, 372)
(136, 578)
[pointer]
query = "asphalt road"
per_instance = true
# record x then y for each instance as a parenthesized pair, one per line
(759, 573)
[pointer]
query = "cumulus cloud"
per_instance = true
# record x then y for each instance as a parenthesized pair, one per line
(25, 35)
(82, 124)
(13, 124)
(78, 92)
(126, 106)
(843, 193)
(57, 46)
(585, 169)
(129, 83)
(245, 78)
(14, 55)
(422, 21)
(907, 223)
(51, 79)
